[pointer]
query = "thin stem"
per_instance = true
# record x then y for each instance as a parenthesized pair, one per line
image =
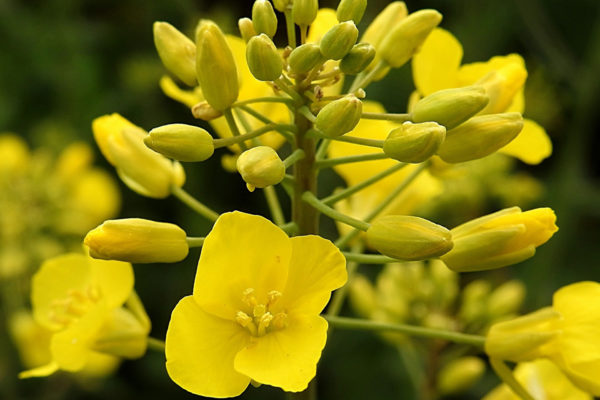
(233, 126)
(296, 155)
(349, 191)
(508, 378)
(283, 85)
(387, 116)
(361, 141)
(307, 113)
(267, 99)
(337, 301)
(368, 325)
(290, 28)
(322, 150)
(194, 204)
(311, 199)
(284, 130)
(156, 344)
(363, 80)
(291, 228)
(239, 139)
(303, 33)
(194, 241)
(274, 205)
(368, 258)
(351, 159)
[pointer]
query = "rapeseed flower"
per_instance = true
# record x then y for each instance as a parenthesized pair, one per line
(254, 312)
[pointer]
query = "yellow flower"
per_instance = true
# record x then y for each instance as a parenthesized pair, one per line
(143, 170)
(14, 154)
(543, 380)
(437, 66)
(566, 334)
(80, 300)
(254, 312)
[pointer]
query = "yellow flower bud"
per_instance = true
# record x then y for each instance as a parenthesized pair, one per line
(450, 107)
(480, 136)
(406, 237)
(263, 59)
(304, 12)
(338, 41)
(506, 299)
(359, 58)
(340, 116)
(351, 10)
(205, 112)
(281, 5)
(138, 241)
(414, 143)
(503, 238)
(473, 305)
(176, 51)
(460, 375)
(260, 167)
(264, 19)
(181, 142)
(122, 335)
(502, 85)
(405, 38)
(304, 58)
(246, 29)
(215, 66)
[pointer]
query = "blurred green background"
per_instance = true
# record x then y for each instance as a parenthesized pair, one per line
(65, 62)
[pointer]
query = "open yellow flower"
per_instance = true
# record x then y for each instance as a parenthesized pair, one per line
(254, 312)
(566, 333)
(437, 66)
(81, 301)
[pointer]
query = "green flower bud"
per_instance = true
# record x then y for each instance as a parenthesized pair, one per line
(260, 167)
(176, 51)
(460, 375)
(138, 241)
(215, 66)
(181, 142)
(246, 29)
(351, 10)
(403, 41)
(359, 58)
(338, 41)
(414, 143)
(480, 136)
(304, 58)
(406, 237)
(264, 18)
(506, 299)
(205, 111)
(340, 116)
(450, 107)
(281, 5)
(263, 59)
(304, 12)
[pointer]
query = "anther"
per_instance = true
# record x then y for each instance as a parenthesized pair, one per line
(280, 321)
(272, 297)
(263, 323)
(249, 298)
(259, 310)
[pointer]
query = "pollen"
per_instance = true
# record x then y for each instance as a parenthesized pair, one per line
(260, 321)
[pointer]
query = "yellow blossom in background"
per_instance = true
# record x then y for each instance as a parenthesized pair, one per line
(80, 300)
(254, 312)
(437, 66)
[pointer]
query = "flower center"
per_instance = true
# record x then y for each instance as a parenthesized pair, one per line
(260, 320)
(74, 305)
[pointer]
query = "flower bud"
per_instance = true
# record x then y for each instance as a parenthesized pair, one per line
(304, 12)
(205, 111)
(503, 238)
(176, 51)
(304, 58)
(351, 10)
(414, 143)
(181, 142)
(407, 36)
(460, 375)
(474, 301)
(246, 29)
(215, 66)
(359, 58)
(264, 18)
(338, 41)
(480, 136)
(263, 59)
(502, 85)
(340, 116)
(506, 299)
(138, 241)
(406, 237)
(281, 5)
(450, 107)
(260, 167)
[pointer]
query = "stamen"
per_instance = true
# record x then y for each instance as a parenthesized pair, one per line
(280, 321)
(272, 297)
(259, 310)
(249, 298)
(264, 323)
(246, 321)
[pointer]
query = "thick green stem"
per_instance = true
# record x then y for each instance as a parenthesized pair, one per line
(194, 241)
(387, 117)
(330, 162)
(156, 345)
(194, 204)
(290, 28)
(296, 156)
(368, 258)
(239, 139)
(311, 199)
(267, 99)
(233, 126)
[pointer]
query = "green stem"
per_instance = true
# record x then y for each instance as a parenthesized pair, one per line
(368, 325)
(351, 159)
(350, 139)
(194, 241)
(284, 130)
(508, 378)
(233, 126)
(362, 81)
(156, 344)
(274, 205)
(283, 85)
(266, 99)
(311, 199)
(368, 258)
(307, 113)
(239, 139)
(194, 204)
(290, 28)
(330, 200)
(303, 33)
(296, 156)
(387, 116)
(291, 228)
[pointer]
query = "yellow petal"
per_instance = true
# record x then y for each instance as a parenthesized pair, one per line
(109, 127)
(435, 66)
(531, 146)
(326, 19)
(187, 97)
(585, 375)
(317, 267)
(242, 251)
(44, 370)
(468, 74)
(99, 365)
(114, 279)
(286, 358)
(200, 351)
